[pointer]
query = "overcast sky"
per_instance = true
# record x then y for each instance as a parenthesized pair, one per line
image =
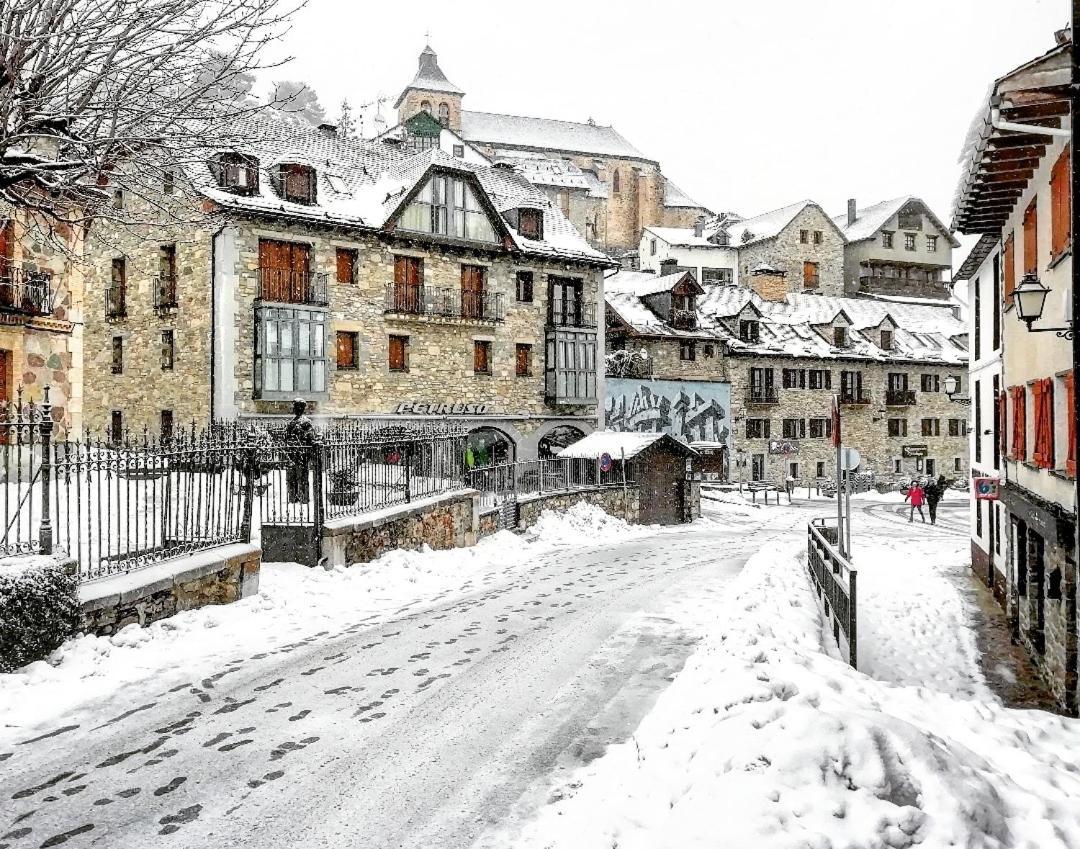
(747, 105)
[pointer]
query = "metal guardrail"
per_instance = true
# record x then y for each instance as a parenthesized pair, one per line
(444, 301)
(835, 582)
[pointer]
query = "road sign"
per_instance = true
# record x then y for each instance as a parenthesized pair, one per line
(850, 459)
(986, 489)
(605, 462)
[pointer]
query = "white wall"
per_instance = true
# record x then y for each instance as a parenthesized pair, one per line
(695, 257)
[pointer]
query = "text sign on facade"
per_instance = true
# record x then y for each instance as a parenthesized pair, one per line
(421, 409)
(916, 452)
(783, 446)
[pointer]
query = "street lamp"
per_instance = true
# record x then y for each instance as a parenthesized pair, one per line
(1030, 299)
(952, 387)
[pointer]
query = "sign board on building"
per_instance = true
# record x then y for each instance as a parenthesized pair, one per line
(986, 489)
(783, 446)
(417, 408)
(914, 452)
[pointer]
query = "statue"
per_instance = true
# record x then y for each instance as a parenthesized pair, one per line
(300, 437)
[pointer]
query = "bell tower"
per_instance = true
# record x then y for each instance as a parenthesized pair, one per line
(430, 91)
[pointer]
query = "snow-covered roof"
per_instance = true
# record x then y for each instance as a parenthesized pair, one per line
(516, 131)
(541, 170)
(924, 332)
(429, 77)
(373, 179)
(676, 198)
(617, 444)
(870, 219)
(682, 237)
(975, 258)
(768, 225)
(642, 283)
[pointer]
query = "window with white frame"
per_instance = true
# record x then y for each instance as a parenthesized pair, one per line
(447, 206)
(290, 352)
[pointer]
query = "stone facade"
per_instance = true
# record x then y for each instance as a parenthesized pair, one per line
(414, 100)
(623, 505)
(788, 253)
(44, 350)
(220, 576)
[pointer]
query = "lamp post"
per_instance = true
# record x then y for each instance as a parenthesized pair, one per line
(1030, 299)
(951, 383)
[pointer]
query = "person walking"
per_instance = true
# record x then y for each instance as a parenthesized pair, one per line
(933, 493)
(916, 495)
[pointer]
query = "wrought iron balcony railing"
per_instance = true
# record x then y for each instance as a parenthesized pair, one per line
(116, 302)
(293, 287)
(564, 312)
(165, 293)
(762, 396)
(444, 301)
(27, 292)
(899, 397)
(684, 319)
(854, 398)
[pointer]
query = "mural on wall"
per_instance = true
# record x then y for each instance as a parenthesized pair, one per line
(693, 410)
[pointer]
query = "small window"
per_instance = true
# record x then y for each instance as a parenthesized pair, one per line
(236, 173)
(931, 244)
(958, 466)
(525, 287)
(840, 337)
(348, 350)
(930, 383)
(957, 427)
(166, 425)
(820, 428)
(749, 330)
(652, 247)
(425, 106)
(757, 428)
(345, 259)
(804, 237)
(168, 182)
(116, 427)
(887, 238)
(687, 350)
(820, 378)
(459, 151)
(481, 357)
(820, 469)
(909, 241)
(399, 353)
(886, 340)
(810, 275)
(897, 427)
(444, 114)
(523, 360)
(931, 427)
(615, 181)
(708, 351)
(296, 183)
(168, 350)
(818, 237)
(794, 428)
(118, 355)
(531, 223)
(897, 465)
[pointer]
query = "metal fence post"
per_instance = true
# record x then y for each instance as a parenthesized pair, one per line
(45, 533)
(852, 618)
(406, 455)
(250, 466)
(319, 464)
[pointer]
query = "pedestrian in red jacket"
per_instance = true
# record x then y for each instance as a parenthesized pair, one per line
(916, 495)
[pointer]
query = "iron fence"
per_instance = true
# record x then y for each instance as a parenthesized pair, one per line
(525, 478)
(836, 583)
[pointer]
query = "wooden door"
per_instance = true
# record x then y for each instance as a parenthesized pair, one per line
(408, 279)
(284, 268)
(472, 291)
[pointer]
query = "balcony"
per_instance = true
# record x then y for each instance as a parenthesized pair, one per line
(444, 302)
(284, 286)
(165, 293)
(762, 397)
(26, 292)
(570, 313)
(899, 397)
(570, 366)
(116, 302)
(854, 398)
(684, 319)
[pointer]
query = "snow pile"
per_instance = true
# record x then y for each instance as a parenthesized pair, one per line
(583, 524)
(765, 740)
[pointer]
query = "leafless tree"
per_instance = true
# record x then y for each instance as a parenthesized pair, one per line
(298, 98)
(100, 96)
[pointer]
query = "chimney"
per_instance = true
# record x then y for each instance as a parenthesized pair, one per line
(328, 129)
(699, 227)
(851, 211)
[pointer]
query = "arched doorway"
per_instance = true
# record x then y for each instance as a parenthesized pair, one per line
(555, 440)
(487, 446)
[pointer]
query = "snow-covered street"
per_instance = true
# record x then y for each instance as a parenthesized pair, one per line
(421, 725)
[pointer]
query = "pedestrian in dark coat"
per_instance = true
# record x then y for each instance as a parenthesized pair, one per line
(933, 493)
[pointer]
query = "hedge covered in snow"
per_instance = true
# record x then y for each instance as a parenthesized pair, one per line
(39, 609)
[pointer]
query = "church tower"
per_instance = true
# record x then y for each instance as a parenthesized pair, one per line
(431, 92)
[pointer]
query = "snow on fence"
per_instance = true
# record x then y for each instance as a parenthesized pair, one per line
(119, 503)
(504, 481)
(835, 582)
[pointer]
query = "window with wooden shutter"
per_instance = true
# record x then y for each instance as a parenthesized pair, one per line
(399, 353)
(1003, 423)
(1009, 258)
(348, 350)
(523, 360)
(810, 275)
(1060, 205)
(482, 357)
(1019, 423)
(1070, 418)
(1031, 238)
(1042, 392)
(346, 265)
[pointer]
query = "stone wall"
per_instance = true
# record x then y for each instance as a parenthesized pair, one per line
(440, 522)
(414, 97)
(787, 253)
(220, 576)
(612, 500)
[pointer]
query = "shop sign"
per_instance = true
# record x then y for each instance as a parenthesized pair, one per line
(914, 452)
(418, 408)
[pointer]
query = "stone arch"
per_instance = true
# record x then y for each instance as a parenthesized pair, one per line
(489, 445)
(556, 438)
(425, 106)
(444, 114)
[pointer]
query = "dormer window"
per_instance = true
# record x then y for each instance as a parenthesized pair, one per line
(296, 183)
(447, 206)
(886, 340)
(750, 330)
(687, 303)
(530, 223)
(840, 337)
(236, 172)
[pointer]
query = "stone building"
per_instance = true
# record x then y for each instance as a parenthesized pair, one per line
(369, 280)
(1016, 192)
(896, 247)
(41, 303)
(784, 355)
(608, 188)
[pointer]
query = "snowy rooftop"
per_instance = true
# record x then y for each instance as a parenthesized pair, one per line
(680, 237)
(870, 219)
(768, 225)
(616, 444)
(429, 77)
(362, 184)
(676, 198)
(546, 134)
(541, 170)
(642, 283)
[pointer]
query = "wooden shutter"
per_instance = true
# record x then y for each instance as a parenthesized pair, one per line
(346, 265)
(522, 360)
(1070, 417)
(1019, 423)
(1060, 204)
(1031, 238)
(810, 275)
(346, 350)
(1009, 259)
(472, 288)
(1038, 400)
(1003, 423)
(480, 357)
(397, 359)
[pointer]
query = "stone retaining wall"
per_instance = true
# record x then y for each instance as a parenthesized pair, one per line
(219, 576)
(611, 500)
